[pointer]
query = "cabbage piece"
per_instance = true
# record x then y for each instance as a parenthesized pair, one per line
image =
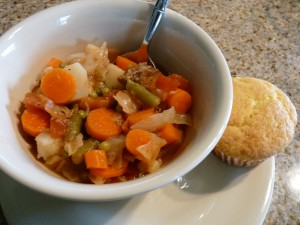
(96, 61)
(150, 150)
(47, 146)
(97, 180)
(126, 102)
(114, 154)
(72, 146)
(40, 101)
(158, 120)
(53, 161)
(150, 167)
(183, 119)
(76, 57)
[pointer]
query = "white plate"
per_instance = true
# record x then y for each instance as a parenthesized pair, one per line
(212, 194)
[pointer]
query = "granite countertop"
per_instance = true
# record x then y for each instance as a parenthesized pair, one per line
(260, 39)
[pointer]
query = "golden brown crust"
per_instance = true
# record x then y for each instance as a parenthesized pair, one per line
(262, 121)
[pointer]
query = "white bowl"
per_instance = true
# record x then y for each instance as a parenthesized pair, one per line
(181, 45)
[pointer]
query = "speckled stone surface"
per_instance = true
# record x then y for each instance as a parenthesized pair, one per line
(259, 38)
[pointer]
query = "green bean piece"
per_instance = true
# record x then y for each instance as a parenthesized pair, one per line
(88, 145)
(74, 128)
(104, 145)
(142, 93)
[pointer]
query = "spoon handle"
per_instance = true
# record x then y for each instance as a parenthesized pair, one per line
(158, 12)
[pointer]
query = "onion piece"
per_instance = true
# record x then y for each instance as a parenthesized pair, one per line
(183, 119)
(126, 102)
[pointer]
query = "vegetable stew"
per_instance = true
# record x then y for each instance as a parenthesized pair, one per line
(98, 120)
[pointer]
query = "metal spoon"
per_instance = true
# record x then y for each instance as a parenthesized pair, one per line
(141, 55)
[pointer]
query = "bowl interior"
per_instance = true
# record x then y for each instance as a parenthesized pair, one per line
(179, 46)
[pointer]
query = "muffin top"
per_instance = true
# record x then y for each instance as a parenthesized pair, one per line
(262, 121)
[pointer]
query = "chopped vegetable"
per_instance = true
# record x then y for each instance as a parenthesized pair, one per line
(58, 85)
(183, 83)
(111, 78)
(91, 103)
(74, 126)
(95, 159)
(54, 62)
(150, 150)
(140, 115)
(34, 121)
(126, 102)
(108, 172)
(166, 83)
(58, 127)
(115, 152)
(103, 123)
(47, 146)
(81, 80)
(73, 145)
(156, 121)
(142, 74)
(88, 145)
(181, 100)
(104, 145)
(136, 138)
(124, 63)
(142, 93)
(170, 133)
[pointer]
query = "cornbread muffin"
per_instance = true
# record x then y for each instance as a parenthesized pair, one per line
(262, 123)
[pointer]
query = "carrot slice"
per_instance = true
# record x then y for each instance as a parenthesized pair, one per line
(124, 63)
(103, 123)
(166, 83)
(181, 100)
(109, 172)
(58, 85)
(136, 138)
(95, 159)
(139, 115)
(183, 83)
(170, 133)
(35, 121)
(54, 62)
